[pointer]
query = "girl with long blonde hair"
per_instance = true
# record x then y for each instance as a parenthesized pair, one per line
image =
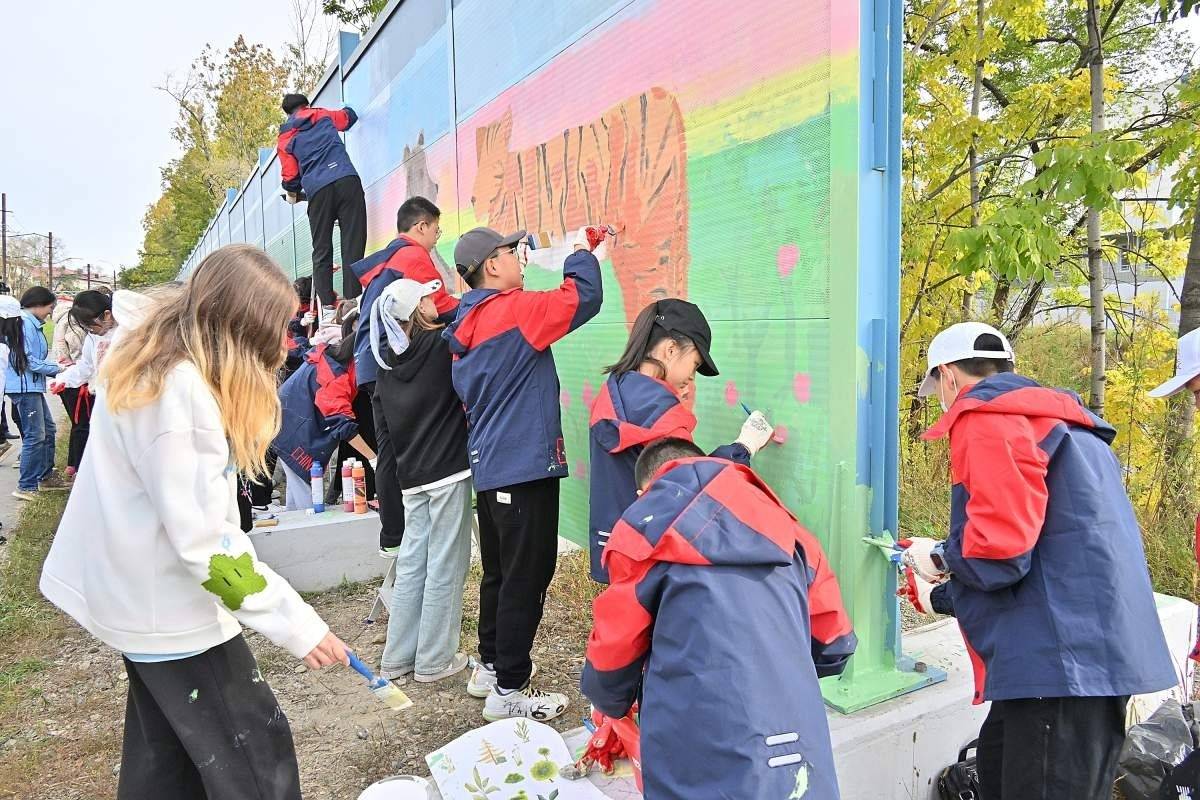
(149, 556)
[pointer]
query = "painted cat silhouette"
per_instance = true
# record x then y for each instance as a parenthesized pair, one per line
(627, 168)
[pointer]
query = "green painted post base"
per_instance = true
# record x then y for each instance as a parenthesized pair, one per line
(847, 694)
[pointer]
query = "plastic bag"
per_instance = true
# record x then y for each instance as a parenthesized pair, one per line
(1152, 749)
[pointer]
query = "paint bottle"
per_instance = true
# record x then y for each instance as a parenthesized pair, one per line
(317, 476)
(348, 485)
(360, 488)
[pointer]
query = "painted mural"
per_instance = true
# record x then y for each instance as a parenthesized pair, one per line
(700, 128)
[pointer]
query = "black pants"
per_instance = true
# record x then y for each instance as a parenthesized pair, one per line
(4, 431)
(364, 415)
(344, 202)
(387, 481)
(79, 413)
(206, 727)
(262, 490)
(1051, 748)
(518, 544)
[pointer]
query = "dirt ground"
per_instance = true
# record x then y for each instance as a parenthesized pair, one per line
(63, 738)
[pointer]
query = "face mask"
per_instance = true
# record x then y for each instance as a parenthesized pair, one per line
(942, 395)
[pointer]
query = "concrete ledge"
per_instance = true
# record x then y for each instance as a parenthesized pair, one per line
(319, 551)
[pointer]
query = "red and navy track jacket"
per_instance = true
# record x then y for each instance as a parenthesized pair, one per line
(402, 258)
(724, 611)
(317, 411)
(311, 154)
(504, 372)
(1050, 584)
(631, 411)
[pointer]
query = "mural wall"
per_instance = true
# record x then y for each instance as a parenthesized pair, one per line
(749, 154)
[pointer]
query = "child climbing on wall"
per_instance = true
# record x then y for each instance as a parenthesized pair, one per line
(318, 414)
(429, 436)
(648, 396)
(722, 614)
(149, 557)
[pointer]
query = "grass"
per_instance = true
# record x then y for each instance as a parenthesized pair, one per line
(23, 612)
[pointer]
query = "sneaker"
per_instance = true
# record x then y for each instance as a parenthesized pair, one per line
(483, 678)
(21, 494)
(396, 676)
(527, 702)
(5, 449)
(266, 512)
(391, 552)
(53, 482)
(457, 665)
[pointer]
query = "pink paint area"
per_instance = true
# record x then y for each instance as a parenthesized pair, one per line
(802, 387)
(781, 434)
(589, 394)
(564, 399)
(731, 394)
(580, 471)
(786, 259)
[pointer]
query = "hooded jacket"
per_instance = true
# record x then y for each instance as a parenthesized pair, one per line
(37, 353)
(425, 420)
(724, 611)
(505, 374)
(402, 258)
(311, 154)
(317, 411)
(1050, 584)
(631, 411)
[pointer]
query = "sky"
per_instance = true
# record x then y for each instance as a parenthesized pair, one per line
(84, 133)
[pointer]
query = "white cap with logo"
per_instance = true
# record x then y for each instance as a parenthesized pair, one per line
(1187, 365)
(957, 343)
(10, 307)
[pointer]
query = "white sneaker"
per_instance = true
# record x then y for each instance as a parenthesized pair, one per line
(527, 702)
(396, 676)
(457, 665)
(483, 678)
(389, 552)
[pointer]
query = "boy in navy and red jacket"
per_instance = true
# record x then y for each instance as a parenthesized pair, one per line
(1044, 569)
(317, 414)
(314, 165)
(505, 374)
(721, 616)
(407, 256)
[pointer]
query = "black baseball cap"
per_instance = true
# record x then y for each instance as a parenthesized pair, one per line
(474, 247)
(685, 319)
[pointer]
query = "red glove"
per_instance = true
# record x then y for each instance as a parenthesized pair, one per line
(57, 387)
(916, 590)
(604, 747)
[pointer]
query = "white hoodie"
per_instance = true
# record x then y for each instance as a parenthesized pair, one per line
(149, 556)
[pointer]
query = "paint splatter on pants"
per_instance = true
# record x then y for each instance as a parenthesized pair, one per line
(203, 727)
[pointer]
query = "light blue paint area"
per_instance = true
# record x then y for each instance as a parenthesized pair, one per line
(156, 658)
(225, 542)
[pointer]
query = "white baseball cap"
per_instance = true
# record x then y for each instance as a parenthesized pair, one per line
(957, 343)
(10, 307)
(1187, 365)
(403, 296)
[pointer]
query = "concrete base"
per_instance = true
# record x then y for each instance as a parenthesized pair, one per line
(316, 552)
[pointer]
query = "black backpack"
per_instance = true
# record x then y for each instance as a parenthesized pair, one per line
(960, 780)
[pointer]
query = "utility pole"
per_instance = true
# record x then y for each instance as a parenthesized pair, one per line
(4, 232)
(89, 276)
(50, 264)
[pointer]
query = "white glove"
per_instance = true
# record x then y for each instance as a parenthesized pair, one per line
(374, 462)
(307, 319)
(924, 555)
(589, 237)
(756, 432)
(916, 590)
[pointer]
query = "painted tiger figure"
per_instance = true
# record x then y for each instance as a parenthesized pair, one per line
(627, 168)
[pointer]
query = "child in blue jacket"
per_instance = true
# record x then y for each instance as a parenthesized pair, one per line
(504, 372)
(317, 413)
(25, 383)
(648, 396)
(721, 616)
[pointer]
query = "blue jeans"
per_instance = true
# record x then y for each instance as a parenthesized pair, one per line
(37, 438)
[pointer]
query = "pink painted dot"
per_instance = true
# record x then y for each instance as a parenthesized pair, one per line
(731, 394)
(802, 387)
(781, 434)
(589, 394)
(564, 399)
(786, 259)
(581, 470)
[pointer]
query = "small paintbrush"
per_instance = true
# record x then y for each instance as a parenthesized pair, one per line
(384, 690)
